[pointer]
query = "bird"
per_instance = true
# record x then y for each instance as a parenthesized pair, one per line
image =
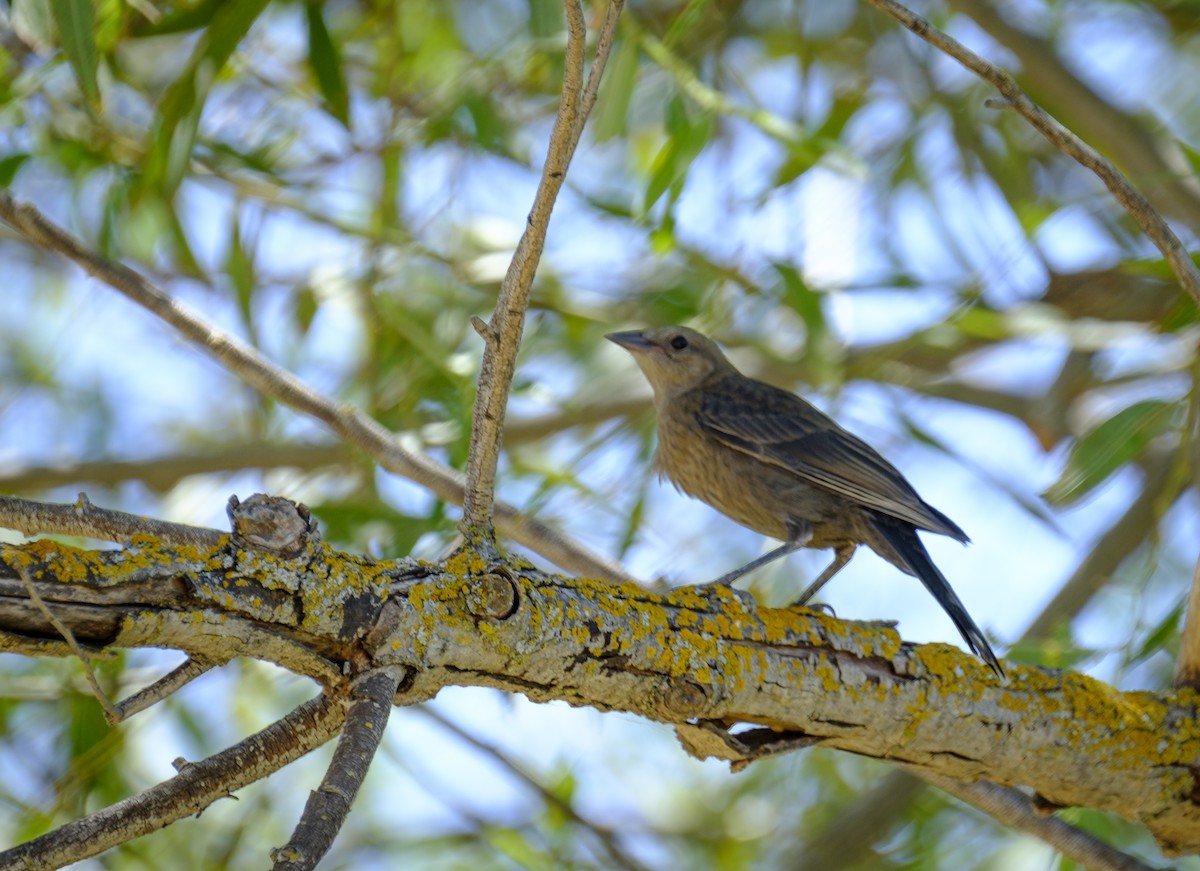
(774, 463)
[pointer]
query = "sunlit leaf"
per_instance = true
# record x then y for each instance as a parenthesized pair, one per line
(33, 22)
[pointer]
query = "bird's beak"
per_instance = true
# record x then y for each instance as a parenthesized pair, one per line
(632, 341)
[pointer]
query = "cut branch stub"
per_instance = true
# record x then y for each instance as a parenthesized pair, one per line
(272, 524)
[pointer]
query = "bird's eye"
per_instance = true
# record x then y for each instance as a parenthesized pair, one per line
(679, 343)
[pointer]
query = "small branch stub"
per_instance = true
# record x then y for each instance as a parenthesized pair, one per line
(271, 523)
(493, 596)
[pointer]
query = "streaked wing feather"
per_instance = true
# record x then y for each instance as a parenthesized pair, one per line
(784, 430)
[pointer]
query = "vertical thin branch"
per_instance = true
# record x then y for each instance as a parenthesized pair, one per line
(1187, 670)
(502, 334)
(1060, 137)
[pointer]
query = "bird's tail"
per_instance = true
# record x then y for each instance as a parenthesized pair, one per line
(904, 541)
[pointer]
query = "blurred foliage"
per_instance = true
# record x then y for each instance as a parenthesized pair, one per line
(342, 183)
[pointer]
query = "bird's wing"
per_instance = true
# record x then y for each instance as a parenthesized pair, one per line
(784, 430)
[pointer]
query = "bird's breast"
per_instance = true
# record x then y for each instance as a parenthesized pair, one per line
(739, 486)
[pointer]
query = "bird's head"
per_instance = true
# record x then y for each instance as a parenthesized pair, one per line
(673, 359)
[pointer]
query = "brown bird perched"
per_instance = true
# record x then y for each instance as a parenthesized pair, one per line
(767, 459)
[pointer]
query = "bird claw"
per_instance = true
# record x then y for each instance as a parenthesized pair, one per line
(817, 606)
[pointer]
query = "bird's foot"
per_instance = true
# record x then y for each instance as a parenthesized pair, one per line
(726, 580)
(815, 606)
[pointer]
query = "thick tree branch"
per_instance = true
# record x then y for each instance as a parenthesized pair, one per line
(195, 787)
(1061, 138)
(251, 366)
(502, 334)
(703, 661)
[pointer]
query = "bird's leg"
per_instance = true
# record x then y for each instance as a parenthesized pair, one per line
(841, 556)
(726, 579)
(799, 534)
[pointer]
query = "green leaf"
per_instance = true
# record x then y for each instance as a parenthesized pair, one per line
(240, 268)
(326, 64)
(169, 148)
(181, 20)
(9, 166)
(304, 309)
(686, 139)
(77, 30)
(611, 114)
(1119, 440)
(545, 18)
(1161, 637)
(805, 301)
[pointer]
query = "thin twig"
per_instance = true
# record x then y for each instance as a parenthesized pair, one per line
(1147, 154)
(248, 364)
(111, 714)
(85, 519)
(1187, 668)
(179, 677)
(604, 44)
(1187, 664)
(1014, 809)
(329, 804)
(503, 332)
(1060, 137)
(606, 836)
(195, 787)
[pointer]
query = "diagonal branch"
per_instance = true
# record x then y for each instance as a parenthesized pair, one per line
(248, 364)
(1016, 810)
(1147, 155)
(111, 714)
(195, 787)
(1060, 137)
(502, 334)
